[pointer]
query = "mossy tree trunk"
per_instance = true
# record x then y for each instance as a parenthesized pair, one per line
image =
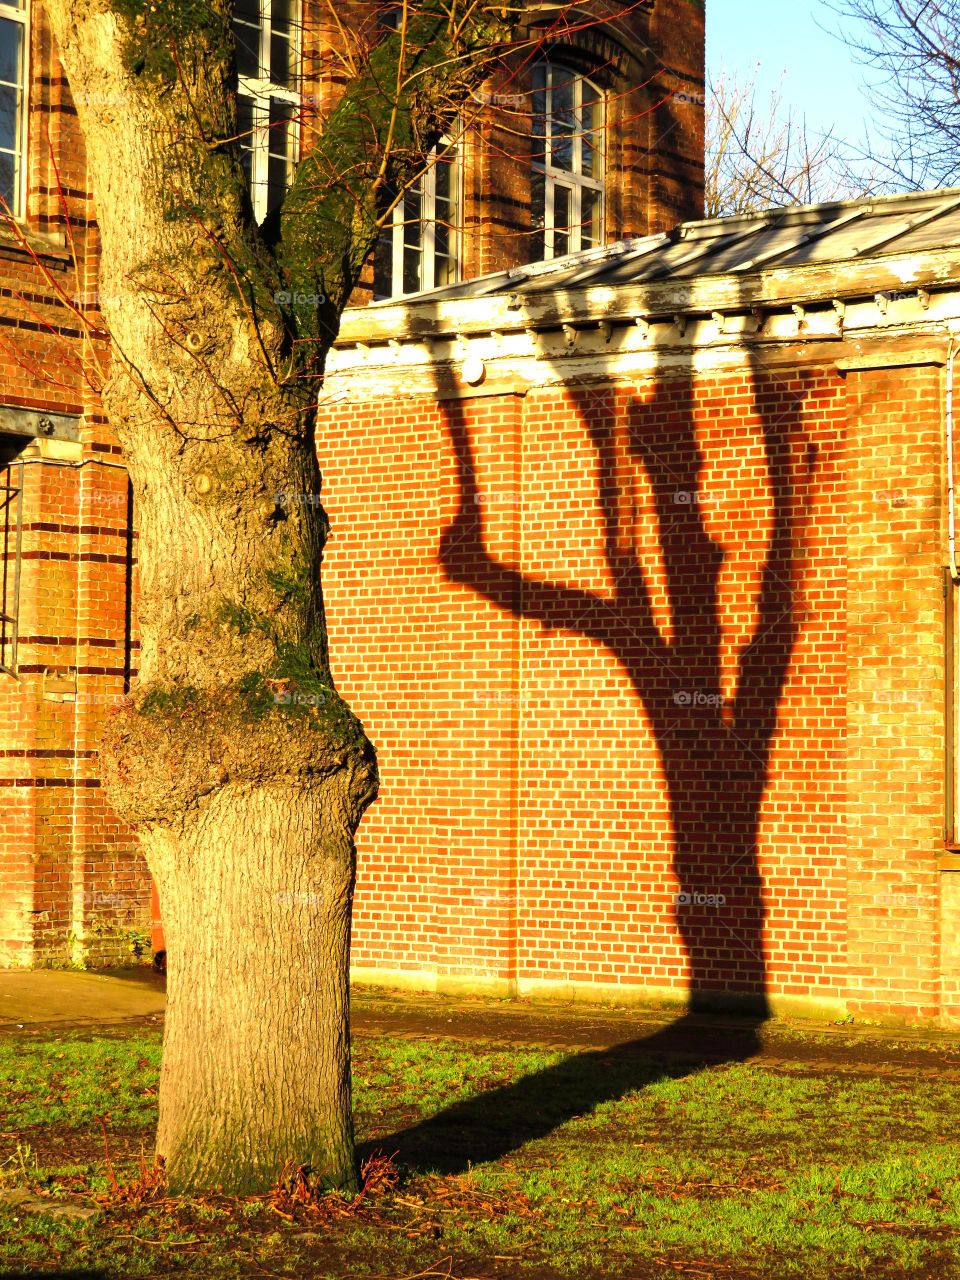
(244, 772)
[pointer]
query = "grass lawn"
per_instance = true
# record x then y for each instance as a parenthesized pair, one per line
(511, 1163)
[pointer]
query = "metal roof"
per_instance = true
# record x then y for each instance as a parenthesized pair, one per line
(841, 232)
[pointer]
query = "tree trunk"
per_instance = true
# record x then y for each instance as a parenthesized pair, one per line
(258, 1005)
(243, 771)
(246, 776)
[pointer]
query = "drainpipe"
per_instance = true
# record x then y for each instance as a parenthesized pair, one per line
(951, 494)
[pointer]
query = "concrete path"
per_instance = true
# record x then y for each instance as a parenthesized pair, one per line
(35, 998)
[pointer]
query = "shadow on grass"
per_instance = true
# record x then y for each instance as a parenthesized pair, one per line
(501, 1120)
(53, 1275)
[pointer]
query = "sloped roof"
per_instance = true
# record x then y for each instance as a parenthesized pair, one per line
(840, 232)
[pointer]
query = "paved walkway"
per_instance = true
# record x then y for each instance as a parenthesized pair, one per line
(38, 1002)
(35, 998)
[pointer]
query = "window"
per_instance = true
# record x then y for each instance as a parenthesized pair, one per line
(268, 101)
(567, 171)
(13, 92)
(418, 250)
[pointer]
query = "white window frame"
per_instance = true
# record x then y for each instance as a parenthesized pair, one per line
(573, 180)
(428, 221)
(258, 90)
(21, 14)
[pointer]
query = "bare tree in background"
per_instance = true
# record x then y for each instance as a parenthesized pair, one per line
(914, 47)
(761, 155)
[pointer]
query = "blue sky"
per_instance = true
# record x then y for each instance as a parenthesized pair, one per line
(786, 38)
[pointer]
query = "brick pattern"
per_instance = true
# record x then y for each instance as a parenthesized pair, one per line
(634, 705)
(895, 647)
(655, 669)
(74, 885)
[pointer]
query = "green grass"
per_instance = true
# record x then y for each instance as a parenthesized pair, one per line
(70, 1081)
(521, 1163)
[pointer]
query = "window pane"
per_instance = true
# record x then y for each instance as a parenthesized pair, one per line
(412, 215)
(281, 151)
(281, 60)
(245, 120)
(588, 126)
(441, 253)
(538, 108)
(281, 127)
(278, 179)
(245, 134)
(444, 179)
(562, 85)
(383, 265)
(11, 35)
(247, 39)
(563, 123)
(538, 191)
(591, 232)
(561, 220)
(424, 233)
(7, 171)
(411, 269)
(9, 100)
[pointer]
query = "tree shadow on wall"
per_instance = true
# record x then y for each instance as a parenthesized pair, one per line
(667, 636)
(714, 754)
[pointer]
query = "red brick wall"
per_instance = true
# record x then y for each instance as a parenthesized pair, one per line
(73, 885)
(895, 656)
(563, 744)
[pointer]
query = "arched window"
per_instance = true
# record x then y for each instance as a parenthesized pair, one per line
(418, 249)
(567, 169)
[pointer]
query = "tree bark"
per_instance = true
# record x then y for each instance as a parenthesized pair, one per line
(234, 757)
(243, 771)
(258, 1007)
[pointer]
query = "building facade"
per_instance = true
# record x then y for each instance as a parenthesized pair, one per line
(643, 566)
(593, 132)
(643, 581)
